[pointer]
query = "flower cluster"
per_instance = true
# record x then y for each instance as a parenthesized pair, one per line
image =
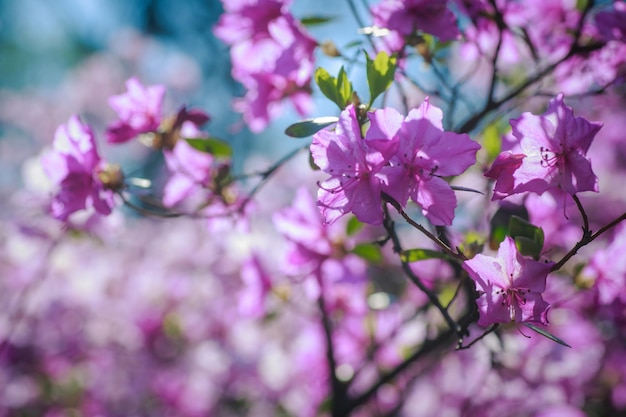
(140, 110)
(307, 310)
(83, 179)
(272, 56)
(405, 19)
(552, 154)
(403, 157)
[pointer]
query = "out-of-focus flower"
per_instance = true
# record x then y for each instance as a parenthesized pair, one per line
(553, 150)
(139, 111)
(74, 165)
(191, 171)
(406, 18)
(608, 269)
(510, 286)
(612, 23)
(256, 286)
(272, 57)
(320, 251)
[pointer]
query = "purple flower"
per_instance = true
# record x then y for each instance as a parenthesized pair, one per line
(354, 185)
(553, 150)
(320, 252)
(612, 23)
(404, 17)
(268, 89)
(139, 111)
(608, 269)
(256, 287)
(425, 153)
(509, 285)
(408, 16)
(76, 168)
(191, 171)
(272, 56)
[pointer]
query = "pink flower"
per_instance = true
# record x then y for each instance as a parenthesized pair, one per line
(405, 17)
(74, 166)
(256, 287)
(139, 111)
(502, 169)
(354, 185)
(191, 171)
(509, 285)
(425, 153)
(318, 250)
(272, 57)
(268, 89)
(553, 150)
(612, 23)
(608, 269)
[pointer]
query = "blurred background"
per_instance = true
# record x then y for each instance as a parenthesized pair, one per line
(68, 56)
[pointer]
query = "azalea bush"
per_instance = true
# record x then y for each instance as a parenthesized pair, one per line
(445, 238)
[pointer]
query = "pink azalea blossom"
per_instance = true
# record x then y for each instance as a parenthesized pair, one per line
(607, 268)
(74, 166)
(318, 250)
(191, 171)
(268, 89)
(553, 150)
(509, 285)
(354, 185)
(405, 17)
(139, 111)
(256, 287)
(272, 56)
(425, 153)
(612, 23)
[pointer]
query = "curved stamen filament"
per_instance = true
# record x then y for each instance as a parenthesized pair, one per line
(549, 158)
(512, 298)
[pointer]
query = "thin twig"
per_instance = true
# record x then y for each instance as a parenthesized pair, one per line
(397, 247)
(586, 239)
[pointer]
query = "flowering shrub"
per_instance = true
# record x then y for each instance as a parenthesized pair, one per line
(432, 249)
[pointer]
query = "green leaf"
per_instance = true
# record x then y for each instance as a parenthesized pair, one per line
(353, 226)
(414, 255)
(527, 233)
(309, 127)
(368, 251)
(492, 142)
(499, 223)
(338, 90)
(528, 247)
(214, 146)
(546, 334)
(471, 190)
(344, 88)
(380, 73)
(316, 20)
(312, 164)
(327, 84)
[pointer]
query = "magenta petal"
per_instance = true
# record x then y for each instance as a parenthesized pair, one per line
(453, 153)
(485, 271)
(492, 309)
(178, 188)
(385, 123)
(437, 201)
(578, 175)
(534, 309)
(502, 171)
